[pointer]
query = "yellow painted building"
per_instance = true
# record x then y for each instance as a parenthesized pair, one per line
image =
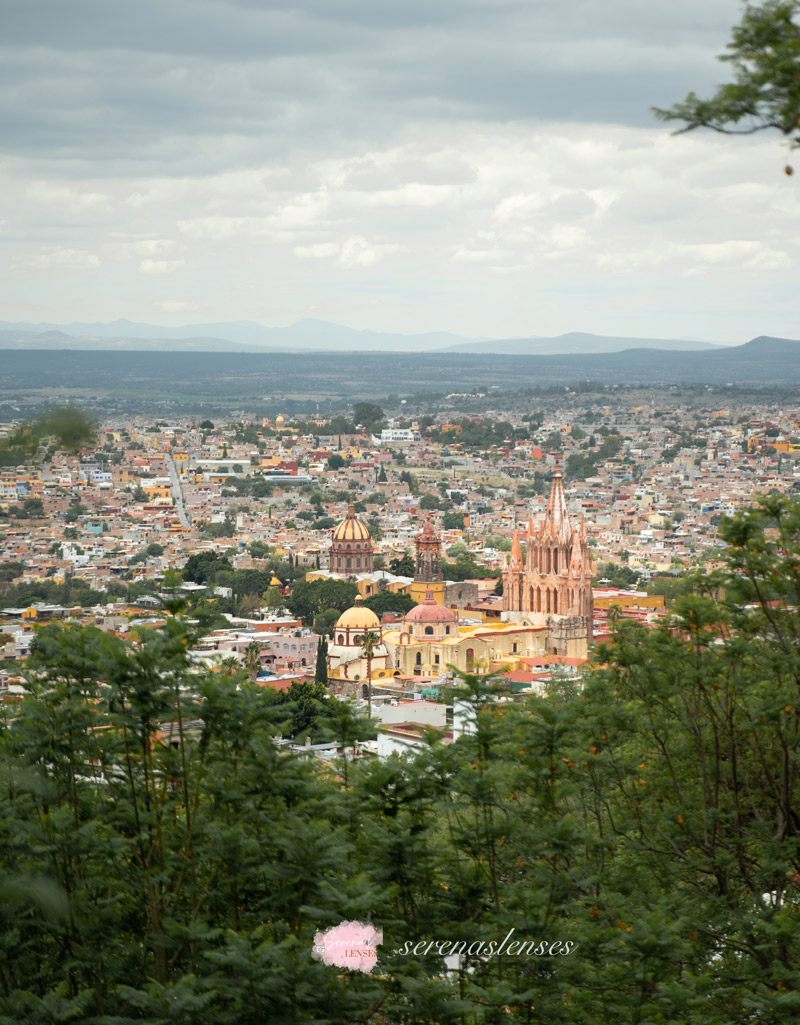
(418, 590)
(627, 600)
(367, 583)
(161, 493)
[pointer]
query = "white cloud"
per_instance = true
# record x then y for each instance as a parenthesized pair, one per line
(177, 306)
(320, 251)
(160, 266)
(465, 255)
(469, 227)
(67, 198)
(153, 246)
(66, 259)
(358, 252)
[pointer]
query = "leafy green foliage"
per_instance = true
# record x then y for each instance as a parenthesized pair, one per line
(11, 570)
(619, 576)
(367, 413)
(161, 859)
(310, 597)
(765, 92)
(67, 426)
(389, 601)
(466, 568)
(203, 567)
(402, 565)
(321, 666)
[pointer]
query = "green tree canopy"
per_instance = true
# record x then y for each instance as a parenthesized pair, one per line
(635, 832)
(765, 91)
(367, 413)
(389, 601)
(310, 597)
(402, 565)
(202, 567)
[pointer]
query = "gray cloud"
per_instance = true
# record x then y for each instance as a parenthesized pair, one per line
(482, 166)
(135, 85)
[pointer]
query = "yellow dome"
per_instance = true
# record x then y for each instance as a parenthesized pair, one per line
(275, 582)
(358, 618)
(351, 528)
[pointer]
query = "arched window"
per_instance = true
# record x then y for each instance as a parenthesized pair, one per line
(429, 630)
(419, 659)
(357, 639)
(347, 547)
(340, 639)
(470, 658)
(365, 691)
(514, 648)
(447, 629)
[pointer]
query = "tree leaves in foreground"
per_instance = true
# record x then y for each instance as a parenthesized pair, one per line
(162, 860)
(67, 426)
(765, 92)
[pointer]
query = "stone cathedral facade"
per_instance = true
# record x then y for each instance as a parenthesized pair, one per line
(553, 583)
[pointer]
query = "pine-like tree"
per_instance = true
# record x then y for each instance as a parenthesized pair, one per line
(321, 670)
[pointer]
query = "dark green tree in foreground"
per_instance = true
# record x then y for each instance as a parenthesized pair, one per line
(67, 427)
(163, 860)
(765, 91)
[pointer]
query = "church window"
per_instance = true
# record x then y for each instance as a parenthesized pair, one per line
(447, 629)
(340, 639)
(348, 563)
(429, 630)
(470, 658)
(357, 639)
(514, 648)
(436, 660)
(419, 659)
(347, 547)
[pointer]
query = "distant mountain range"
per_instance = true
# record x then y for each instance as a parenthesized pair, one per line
(190, 379)
(305, 336)
(576, 342)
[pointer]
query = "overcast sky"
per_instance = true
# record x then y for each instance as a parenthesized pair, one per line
(487, 167)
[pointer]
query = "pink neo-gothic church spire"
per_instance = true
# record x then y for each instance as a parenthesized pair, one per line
(556, 578)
